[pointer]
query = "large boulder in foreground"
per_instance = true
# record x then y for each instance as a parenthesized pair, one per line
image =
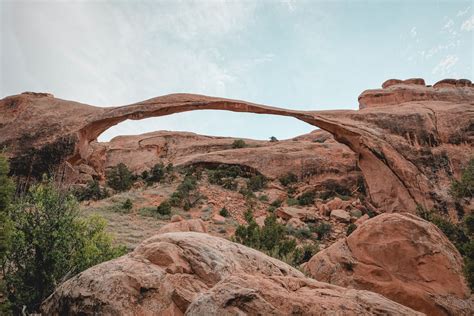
(402, 257)
(194, 273)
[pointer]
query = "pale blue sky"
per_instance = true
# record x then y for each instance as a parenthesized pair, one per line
(295, 54)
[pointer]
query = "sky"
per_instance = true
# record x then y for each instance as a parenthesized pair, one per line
(308, 55)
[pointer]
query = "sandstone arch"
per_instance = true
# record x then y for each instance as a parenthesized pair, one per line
(387, 139)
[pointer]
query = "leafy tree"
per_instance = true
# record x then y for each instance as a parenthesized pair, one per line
(239, 143)
(465, 187)
(273, 139)
(119, 178)
(50, 244)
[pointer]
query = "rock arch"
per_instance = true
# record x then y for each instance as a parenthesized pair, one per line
(387, 189)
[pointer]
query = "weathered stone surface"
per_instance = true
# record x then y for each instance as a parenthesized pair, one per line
(401, 257)
(341, 216)
(197, 274)
(181, 225)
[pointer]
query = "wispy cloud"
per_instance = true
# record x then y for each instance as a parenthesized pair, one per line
(468, 25)
(463, 12)
(445, 65)
(413, 32)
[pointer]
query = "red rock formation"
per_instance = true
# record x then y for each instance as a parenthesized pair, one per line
(401, 257)
(196, 274)
(407, 153)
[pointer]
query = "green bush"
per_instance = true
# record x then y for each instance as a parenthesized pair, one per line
(224, 212)
(323, 230)
(273, 139)
(119, 178)
(92, 191)
(465, 187)
(272, 238)
(164, 208)
(51, 244)
(224, 175)
(256, 183)
(288, 179)
(291, 202)
(307, 198)
(182, 196)
(127, 205)
(239, 143)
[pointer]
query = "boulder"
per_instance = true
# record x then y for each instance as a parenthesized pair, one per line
(197, 274)
(341, 216)
(402, 257)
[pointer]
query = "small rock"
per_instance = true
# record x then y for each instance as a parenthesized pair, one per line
(334, 204)
(362, 219)
(296, 223)
(218, 219)
(356, 213)
(176, 218)
(341, 216)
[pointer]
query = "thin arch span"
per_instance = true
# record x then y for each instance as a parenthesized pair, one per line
(402, 195)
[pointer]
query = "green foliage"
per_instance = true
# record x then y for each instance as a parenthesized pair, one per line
(164, 208)
(183, 196)
(350, 228)
(263, 198)
(50, 244)
(273, 139)
(465, 187)
(272, 238)
(256, 182)
(460, 234)
(291, 201)
(224, 212)
(322, 229)
(92, 191)
(119, 178)
(127, 205)
(307, 198)
(224, 175)
(288, 179)
(239, 143)
(6, 184)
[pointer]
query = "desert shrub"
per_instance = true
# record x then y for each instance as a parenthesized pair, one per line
(274, 205)
(273, 139)
(256, 182)
(224, 212)
(307, 252)
(300, 233)
(291, 202)
(323, 230)
(307, 198)
(92, 191)
(272, 238)
(263, 198)
(164, 208)
(183, 196)
(350, 228)
(119, 178)
(239, 143)
(288, 179)
(51, 244)
(224, 175)
(127, 205)
(465, 187)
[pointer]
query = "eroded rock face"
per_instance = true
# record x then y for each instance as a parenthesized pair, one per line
(409, 140)
(197, 274)
(402, 257)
